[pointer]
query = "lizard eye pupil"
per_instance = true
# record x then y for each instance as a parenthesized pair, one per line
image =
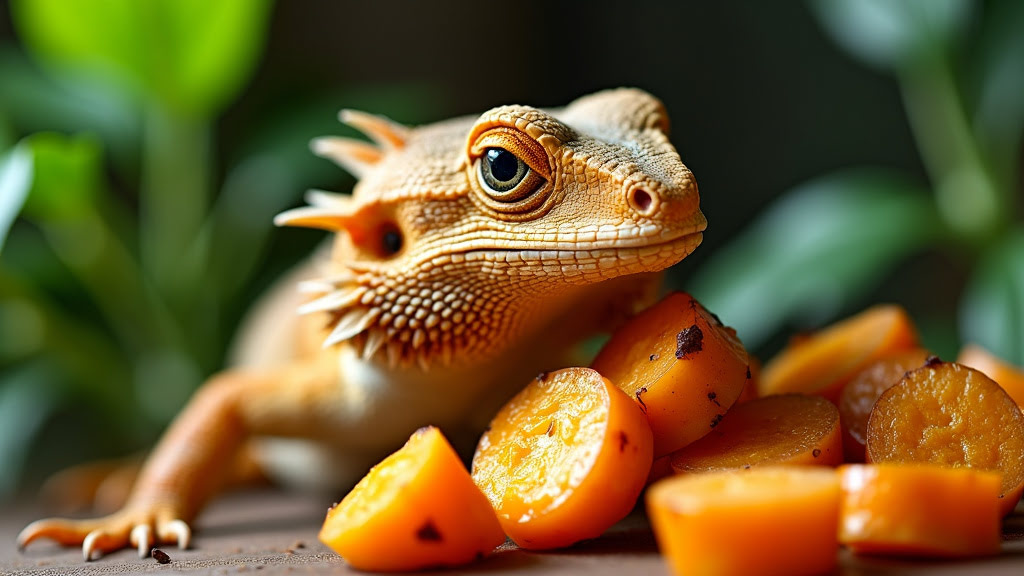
(391, 240)
(501, 170)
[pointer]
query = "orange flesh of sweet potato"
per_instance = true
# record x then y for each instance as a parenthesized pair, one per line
(781, 429)
(418, 508)
(951, 415)
(766, 521)
(823, 362)
(862, 391)
(682, 367)
(1010, 377)
(564, 459)
(919, 510)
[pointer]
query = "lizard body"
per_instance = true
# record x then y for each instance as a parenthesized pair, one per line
(472, 254)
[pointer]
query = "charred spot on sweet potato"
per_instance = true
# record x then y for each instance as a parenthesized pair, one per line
(641, 400)
(714, 398)
(623, 441)
(428, 532)
(689, 341)
(932, 361)
(816, 452)
(716, 420)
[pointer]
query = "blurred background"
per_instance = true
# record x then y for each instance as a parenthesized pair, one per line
(848, 152)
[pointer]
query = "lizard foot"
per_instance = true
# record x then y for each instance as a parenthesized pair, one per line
(129, 527)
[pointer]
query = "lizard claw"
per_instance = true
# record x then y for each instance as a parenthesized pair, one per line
(142, 538)
(104, 535)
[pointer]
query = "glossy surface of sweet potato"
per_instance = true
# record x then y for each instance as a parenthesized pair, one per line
(564, 459)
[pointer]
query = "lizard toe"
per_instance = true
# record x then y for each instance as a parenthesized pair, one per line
(177, 531)
(142, 538)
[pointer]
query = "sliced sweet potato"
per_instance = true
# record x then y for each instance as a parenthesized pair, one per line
(1010, 377)
(919, 510)
(862, 391)
(766, 521)
(564, 459)
(418, 508)
(781, 429)
(948, 414)
(822, 362)
(681, 366)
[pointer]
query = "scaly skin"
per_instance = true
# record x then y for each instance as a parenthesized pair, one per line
(442, 296)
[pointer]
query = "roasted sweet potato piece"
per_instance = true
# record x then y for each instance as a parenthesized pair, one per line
(948, 414)
(1010, 377)
(417, 509)
(862, 391)
(919, 510)
(822, 362)
(681, 365)
(780, 429)
(565, 459)
(765, 521)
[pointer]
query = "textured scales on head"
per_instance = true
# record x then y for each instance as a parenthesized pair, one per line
(464, 236)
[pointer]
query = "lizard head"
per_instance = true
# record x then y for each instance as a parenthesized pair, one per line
(463, 235)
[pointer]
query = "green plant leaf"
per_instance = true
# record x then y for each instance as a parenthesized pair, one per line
(192, 55)
(890, 33)
(68, 175)
(815, 251)
(26, 401)
(992, 308)
(15, 183)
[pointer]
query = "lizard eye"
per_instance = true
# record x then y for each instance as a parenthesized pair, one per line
(501, 170)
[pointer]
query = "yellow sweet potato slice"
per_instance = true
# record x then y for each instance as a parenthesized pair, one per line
(951, 415)
(564, 459)
(919, 510)
(822, 362)
(418, 508)
(766, 521)
(682, 367)
(1010, 377)
(781, 429)
(862, 391)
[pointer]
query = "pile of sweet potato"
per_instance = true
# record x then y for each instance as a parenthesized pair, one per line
(851, 436)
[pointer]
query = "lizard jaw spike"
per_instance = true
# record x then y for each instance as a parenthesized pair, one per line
(355, 156)
(351, 324)
(335, 300)
(386, 133)
(374, 340)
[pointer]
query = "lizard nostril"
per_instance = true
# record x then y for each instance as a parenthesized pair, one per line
(641, 201)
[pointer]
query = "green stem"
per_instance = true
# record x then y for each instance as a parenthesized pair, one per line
(173, 199)
(968, 198)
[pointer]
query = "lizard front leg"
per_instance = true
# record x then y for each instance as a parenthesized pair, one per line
(194, 456)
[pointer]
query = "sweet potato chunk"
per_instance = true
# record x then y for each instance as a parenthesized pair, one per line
(947, 414)
(781, 429)
(417, 509)
(564, 459)
(821, 363)
(682, 367)
(766, 521)
(1010, 377)
(862, 391)
(919, 510)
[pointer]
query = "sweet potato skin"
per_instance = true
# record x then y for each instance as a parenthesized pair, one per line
(681, 365)
(948, 414)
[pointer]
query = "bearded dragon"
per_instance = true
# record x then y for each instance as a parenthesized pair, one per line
(472, 254)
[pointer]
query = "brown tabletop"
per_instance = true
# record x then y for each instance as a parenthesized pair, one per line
(270, 532)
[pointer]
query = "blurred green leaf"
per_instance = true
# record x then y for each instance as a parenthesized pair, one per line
(890, 33)
(815, 251)
(992, 309)
(999, 81)
(192, 55)
(15, 183)
(68, 175)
